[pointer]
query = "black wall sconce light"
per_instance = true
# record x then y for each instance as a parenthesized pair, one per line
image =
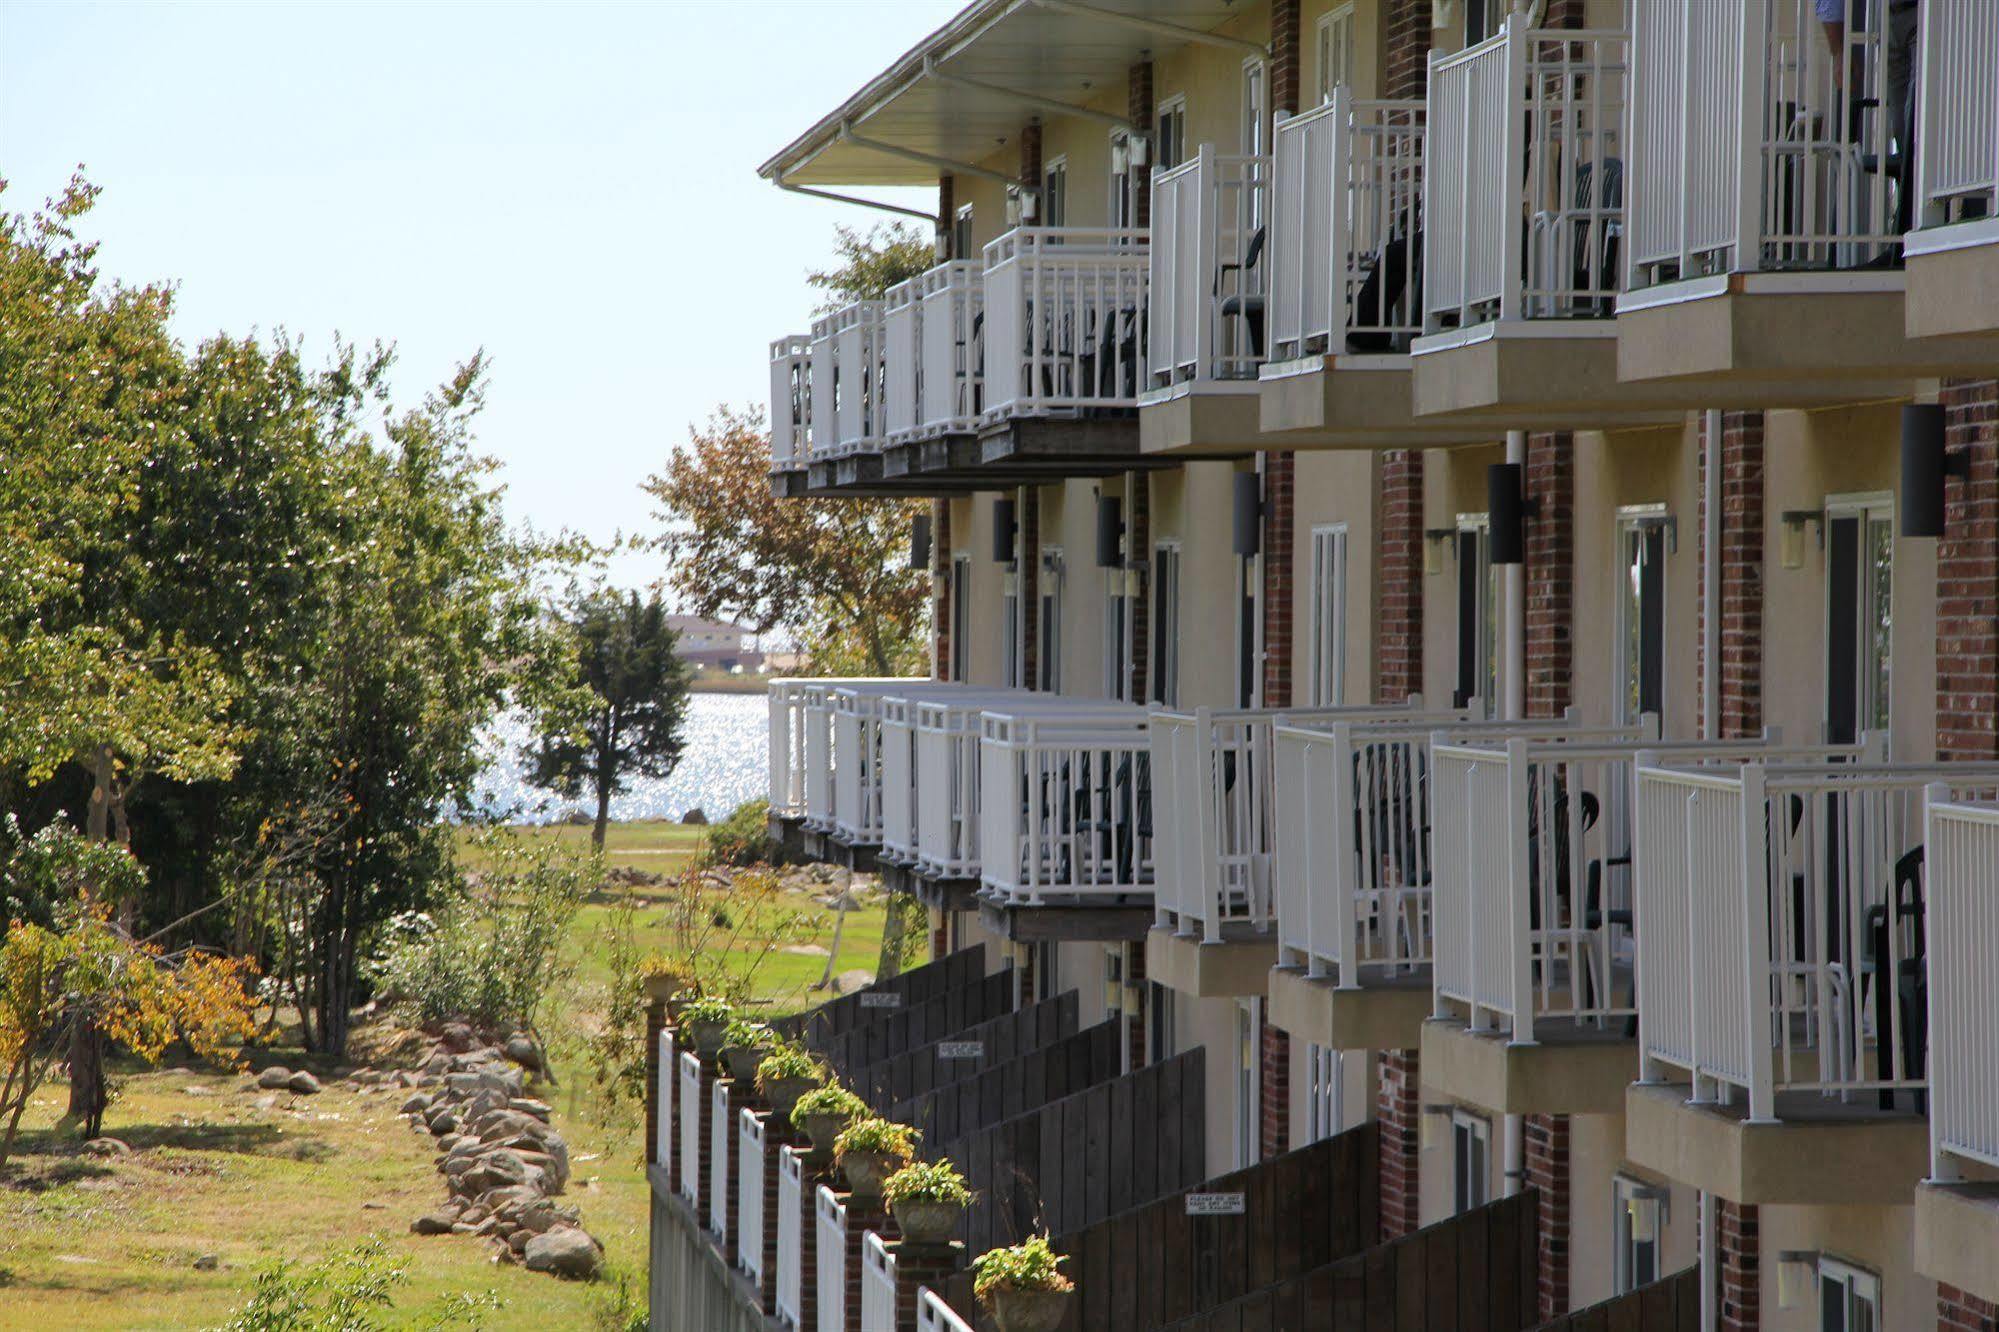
(1004, 529)
(1110, 532)
(1507, 510)
(919, 541)
(1791, 544)
(1926, 465)
(1248, 536)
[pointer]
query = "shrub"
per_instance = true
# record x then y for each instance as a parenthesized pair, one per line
(1030, 1265)
(787, 1061)
(741, 839)
(747, 1034)
(708, 1008)
(351, 1291)
(877, 1135)
(927, 1181)
(830, 1100)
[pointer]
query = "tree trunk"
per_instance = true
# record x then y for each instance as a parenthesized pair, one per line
(603, 814)
(88, 1095)
(894, 929)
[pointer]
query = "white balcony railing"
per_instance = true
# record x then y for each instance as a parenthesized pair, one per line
(935, 330)
(831, 1255)
(859, 773)
(1210, 277)
(1781, 930)
(1346, 228)
(790, 1236)
(664, 1124)
(1523, 179)
(790, 402)
(787, 747)
(690, 1130)
(750, 1195)
(1957, 135)
(721, 1130)
(1747, 152)
(1962, 847)
(1065, 320)
(877, 1285)
(934, 1315)
(1065, 803)
(849, 410)
(801, 745)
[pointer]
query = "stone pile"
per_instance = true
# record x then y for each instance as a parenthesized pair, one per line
(502, 1163)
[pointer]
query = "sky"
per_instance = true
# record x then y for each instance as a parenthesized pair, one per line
(570, 186)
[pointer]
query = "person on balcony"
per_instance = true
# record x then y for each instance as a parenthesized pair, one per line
(1899, 61)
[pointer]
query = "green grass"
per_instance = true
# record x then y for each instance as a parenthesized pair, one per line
(93, 1244)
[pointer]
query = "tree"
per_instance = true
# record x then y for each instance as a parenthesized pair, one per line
(625, 655)
(835, 569)
(873, 261)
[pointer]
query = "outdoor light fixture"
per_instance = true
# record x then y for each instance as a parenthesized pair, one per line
(1141, 149)
(1110, 531)
(1508, 509)
(1003, 530)
(1926, 464)
(1120, 157)
(1792, 544)
(919, 541)
(1797, 1275)
(1248, 514)
(1646, 1205)
(1435, 539)
(1427, 1136)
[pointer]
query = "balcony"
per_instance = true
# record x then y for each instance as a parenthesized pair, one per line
(810, 795)
(934, 330)
(1953, 254)
(1210, 288)
(1766, 207)
(1784, 972)
(1957, 1210)
(790, 413)
(750, 1167)
(858, 778)
(790, 1238)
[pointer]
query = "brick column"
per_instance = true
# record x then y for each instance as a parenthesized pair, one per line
(1138, 551)
(1030, 159)
(1274, 1088)
(920, 1265)
(1398, 612)
(947, 213)
(1967, 688)
(861, 1218)
(1030, 585)
(778, 1133)
(1547, 1152)
(1741, 600)
(655, 1024)
(704, 1151)
(1406, 25)
(1398, 1111)
(1551, 574)
(1285, 71)
(940, 563)
(1138, 110)
(1961, 1311)
(1739, 1242)
(1280, 471)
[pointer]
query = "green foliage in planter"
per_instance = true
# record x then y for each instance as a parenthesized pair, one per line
(877, 1135)
(708, 1008)
(830, 1100)
(787, 1061)
(927, 1182)
(1030, 1265)
(745, 1034)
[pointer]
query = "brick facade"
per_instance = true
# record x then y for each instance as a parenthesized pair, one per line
(1961, 1311)
(1138, 110)
(1138, 552)
(1398, 1111)
(940, 565)
(1406, 29)
(1280, 472)
(1286, 60)
(1741, 709)
(1274, 1088)
(1546, 1149)
(1398, 612)
(947, 212)
(1030, 156)
(1030, 586)
(655, 1024)
(1739, 1241)
(1968, 578)
(1551, 574)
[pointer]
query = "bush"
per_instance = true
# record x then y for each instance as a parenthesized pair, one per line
(787, 1061)
(877, 1135)
(746, 1034)
(1031, 1265)
(927, 1181)
(350, 1291)
(830, 1100)
(743, 838)
(708, 1008)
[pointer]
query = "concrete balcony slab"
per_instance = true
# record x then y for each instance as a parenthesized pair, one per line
(1349, 402)
(1953, 281)
(1385, 1014)
(1957, 1235)
(1568, 1070)
(1235, 966)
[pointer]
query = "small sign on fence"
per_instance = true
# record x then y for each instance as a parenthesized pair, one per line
(875, 999)
(961, 1049)
(1216, 1204)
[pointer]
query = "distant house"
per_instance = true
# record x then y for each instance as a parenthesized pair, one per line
(715, 646)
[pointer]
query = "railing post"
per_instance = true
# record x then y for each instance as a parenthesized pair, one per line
(1513, 162)
(1346, 877)
(1945, 1046)
(1752, 66)
(1754, 889)
(1520, 886)
(1205, 878)
(1339, 182)
(1696, 1047)
(1642, 926)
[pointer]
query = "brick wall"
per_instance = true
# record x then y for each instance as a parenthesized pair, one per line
(1398, 613)
(655, 1023)
(778, 1133)
(1739, 1242)
(940, 563)
(947, 211)
(1961, 1311)
(1030, 155)
(1741, 711)
(1406, 28)
(1285, 56)
(1279, 509)
(861, 1218)
(1968, 578)
(1030, 585)
(1551, 574)
(1274, 1090)
(1138, 110)
(1547, 1160)
(1398, 1111)
(1138, 550)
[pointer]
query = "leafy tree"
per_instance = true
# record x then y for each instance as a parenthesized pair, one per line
(836, 569)
(873, 261)
(625, 655)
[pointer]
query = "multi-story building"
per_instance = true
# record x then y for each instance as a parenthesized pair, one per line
(1466, 550)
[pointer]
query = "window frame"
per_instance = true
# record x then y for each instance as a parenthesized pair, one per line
(1340, 17)
(1471, 1134)
(1874, 671)
(1635, 520)
(1249, 1082)
(1170, 112)
(1329, 575)
(1048, 619)
(961, 614)
(1859, 1285)
(1165, 665)
(1054, 190)
(1325, 1074)
(1628, 1192)
(1477, 528)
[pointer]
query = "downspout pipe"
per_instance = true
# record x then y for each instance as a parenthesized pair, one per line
(1513, 690)
(1711, 576)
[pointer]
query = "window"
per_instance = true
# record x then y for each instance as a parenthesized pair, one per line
(1329, 617)
(1638, 1216)
(1641, 611)
(961, 615)
(1050, 620)
(1055, 193)
(1255, 107)
(1166, 624)
(1159, 1035)
(1471, 1149)
(1859, 571)
(1335, 51)
(1849, 1298)
(1121, 210)
(961, 233)
(1482, 19)
(1248, 1093)
(1322, 1092)
(1478, 615)
(1170, 130)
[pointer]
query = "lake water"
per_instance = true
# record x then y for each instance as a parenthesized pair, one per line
(722, 764)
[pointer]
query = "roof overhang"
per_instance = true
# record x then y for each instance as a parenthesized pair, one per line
(963, 92)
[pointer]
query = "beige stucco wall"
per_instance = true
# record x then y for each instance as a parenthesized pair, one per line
(1880, 1239)
(972, 535)
(1453, 483)
(1596, 1159)
(1069, 521)
(1334, 488)
(1193, 505)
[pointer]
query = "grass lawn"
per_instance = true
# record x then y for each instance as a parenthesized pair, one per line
(107, 1244)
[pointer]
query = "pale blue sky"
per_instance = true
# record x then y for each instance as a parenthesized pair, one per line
(571, 186)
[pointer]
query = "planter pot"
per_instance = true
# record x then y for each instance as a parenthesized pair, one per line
(743, 1061)
(927, 1222)
(867, 1171)
(1030, 1310)
(822, 1129)
(784, 1093)
(707, 1037)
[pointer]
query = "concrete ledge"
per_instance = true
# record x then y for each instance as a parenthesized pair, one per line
(1382, 1015)
(1957, 1236)
(1567, 1072)
(1230, 969)
(1096, 922)
(1954, 293)
(1523, 373)
(1351, 402)
(1221, 422)
(1812, 1159)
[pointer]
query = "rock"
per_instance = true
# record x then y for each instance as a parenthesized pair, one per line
(577, 818)
(564, 1251)
(107, 1147)
(521, 1050)
(264, 1103)
(847, 982)
(694, 818)
(373, 1206)
(207, 1262)
(432, 1223)
(274, 1078)
(458, 1036)
(518, 1241)
(528, 1106)
(303, 1083)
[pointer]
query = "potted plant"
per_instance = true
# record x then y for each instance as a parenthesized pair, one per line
(744, 1045)
(927, 1198)
(870, 1150)
(704, 1022)
(823, 1112)
(1023, 1286)
(785, 1074)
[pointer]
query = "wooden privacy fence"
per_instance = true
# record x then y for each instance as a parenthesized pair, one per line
(1671, 1304)
(868, 1005)
(1022, 1084)
(967, 1052)
(905, 1029)
(1472, 1273)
